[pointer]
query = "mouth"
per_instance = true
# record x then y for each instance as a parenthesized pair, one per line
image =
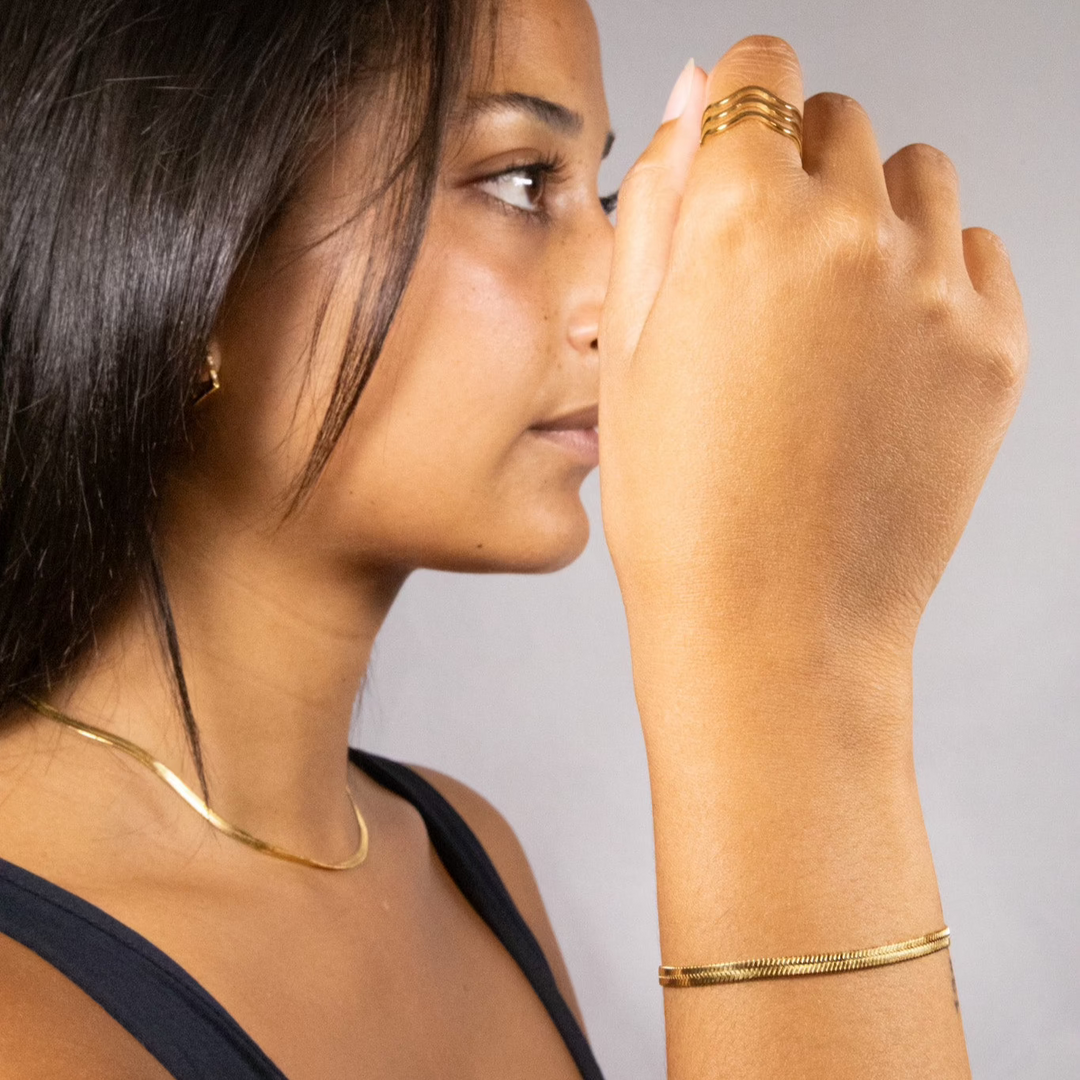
(579, 419)
(575, 432)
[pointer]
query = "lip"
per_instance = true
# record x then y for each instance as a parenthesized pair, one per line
(583, 418)
(583, 443)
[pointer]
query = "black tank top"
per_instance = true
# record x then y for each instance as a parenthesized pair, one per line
(178, 1021)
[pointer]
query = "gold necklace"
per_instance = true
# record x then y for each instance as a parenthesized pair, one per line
(193, 800)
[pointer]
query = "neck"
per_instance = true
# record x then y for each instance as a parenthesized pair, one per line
(274, 647)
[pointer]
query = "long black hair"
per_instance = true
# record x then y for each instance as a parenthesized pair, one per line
(145, 147)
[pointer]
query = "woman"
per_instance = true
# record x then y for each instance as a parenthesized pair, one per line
(376, 227)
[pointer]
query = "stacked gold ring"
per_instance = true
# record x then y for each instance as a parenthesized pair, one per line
(753, 103)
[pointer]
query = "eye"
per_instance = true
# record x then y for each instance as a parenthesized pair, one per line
(521, 187)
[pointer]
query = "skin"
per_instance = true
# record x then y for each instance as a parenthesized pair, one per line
(782, 488)
(856, 391)
(438, 468)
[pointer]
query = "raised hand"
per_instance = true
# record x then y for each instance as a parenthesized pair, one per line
(807, 368)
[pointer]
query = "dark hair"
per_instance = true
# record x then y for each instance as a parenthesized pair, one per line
(144, 149)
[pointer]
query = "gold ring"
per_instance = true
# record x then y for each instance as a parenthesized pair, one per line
(753, 103)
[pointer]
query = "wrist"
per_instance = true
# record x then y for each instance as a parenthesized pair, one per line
(785, 803)
(749, 877)
(803, 698)
(764, 851)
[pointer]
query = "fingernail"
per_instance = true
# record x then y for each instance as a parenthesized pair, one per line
(680, 93)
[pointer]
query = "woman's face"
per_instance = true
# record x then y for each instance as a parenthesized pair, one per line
(442, 464)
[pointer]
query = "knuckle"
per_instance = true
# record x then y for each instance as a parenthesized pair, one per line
(988, 238)
(1008, 357)
(747, 205)
(757, 47)
(763, 43)
(925, 158)
(738, 201)
(1004, 368)
(746, 196)
(857, 233)
(939, 301)
(728, 220)
(832, 103)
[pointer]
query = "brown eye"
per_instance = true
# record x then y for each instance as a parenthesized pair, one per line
(522, 188)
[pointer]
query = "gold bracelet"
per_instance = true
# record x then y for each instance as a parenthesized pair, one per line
(824, 963)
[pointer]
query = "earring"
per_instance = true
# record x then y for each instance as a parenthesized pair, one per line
(210, 384)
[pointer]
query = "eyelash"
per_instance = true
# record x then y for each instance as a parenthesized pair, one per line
(541, 170)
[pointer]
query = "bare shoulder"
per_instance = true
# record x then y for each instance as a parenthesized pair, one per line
(51, 1030)
(505, 850)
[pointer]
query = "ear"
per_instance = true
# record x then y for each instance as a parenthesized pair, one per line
(210, 380)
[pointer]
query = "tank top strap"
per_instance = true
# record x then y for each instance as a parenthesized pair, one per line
(179, 1022)
(137, 984)
(475, 875)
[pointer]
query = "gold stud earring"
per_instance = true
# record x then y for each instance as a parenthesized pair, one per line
(210, 383)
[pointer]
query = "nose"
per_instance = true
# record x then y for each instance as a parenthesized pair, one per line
(594, 252)
(584, 329)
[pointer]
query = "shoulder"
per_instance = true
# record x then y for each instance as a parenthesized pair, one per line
(51, 1030)
(508, 856)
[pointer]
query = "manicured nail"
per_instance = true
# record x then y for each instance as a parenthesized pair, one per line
(680, 93)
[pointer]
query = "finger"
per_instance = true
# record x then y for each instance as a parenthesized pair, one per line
(751, 145)
(990, 270)
(991, 274)
(841, 150)
(924, 190)
(649, 201)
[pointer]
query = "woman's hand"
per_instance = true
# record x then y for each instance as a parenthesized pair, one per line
(807, 369)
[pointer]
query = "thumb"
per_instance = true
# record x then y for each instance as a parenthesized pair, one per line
(649, 201)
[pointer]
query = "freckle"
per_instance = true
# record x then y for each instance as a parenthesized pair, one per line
(479, 545)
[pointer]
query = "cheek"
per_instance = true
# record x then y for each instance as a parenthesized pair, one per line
(473, 337)
(437, 441)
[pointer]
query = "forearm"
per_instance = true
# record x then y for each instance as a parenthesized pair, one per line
(807, 367)
(788, 822)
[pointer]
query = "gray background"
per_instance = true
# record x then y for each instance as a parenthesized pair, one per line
(521, 686)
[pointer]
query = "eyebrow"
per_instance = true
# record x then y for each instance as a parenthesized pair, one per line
(562, 119)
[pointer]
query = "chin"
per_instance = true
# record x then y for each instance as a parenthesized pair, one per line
(527, 546)
(556, 540)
